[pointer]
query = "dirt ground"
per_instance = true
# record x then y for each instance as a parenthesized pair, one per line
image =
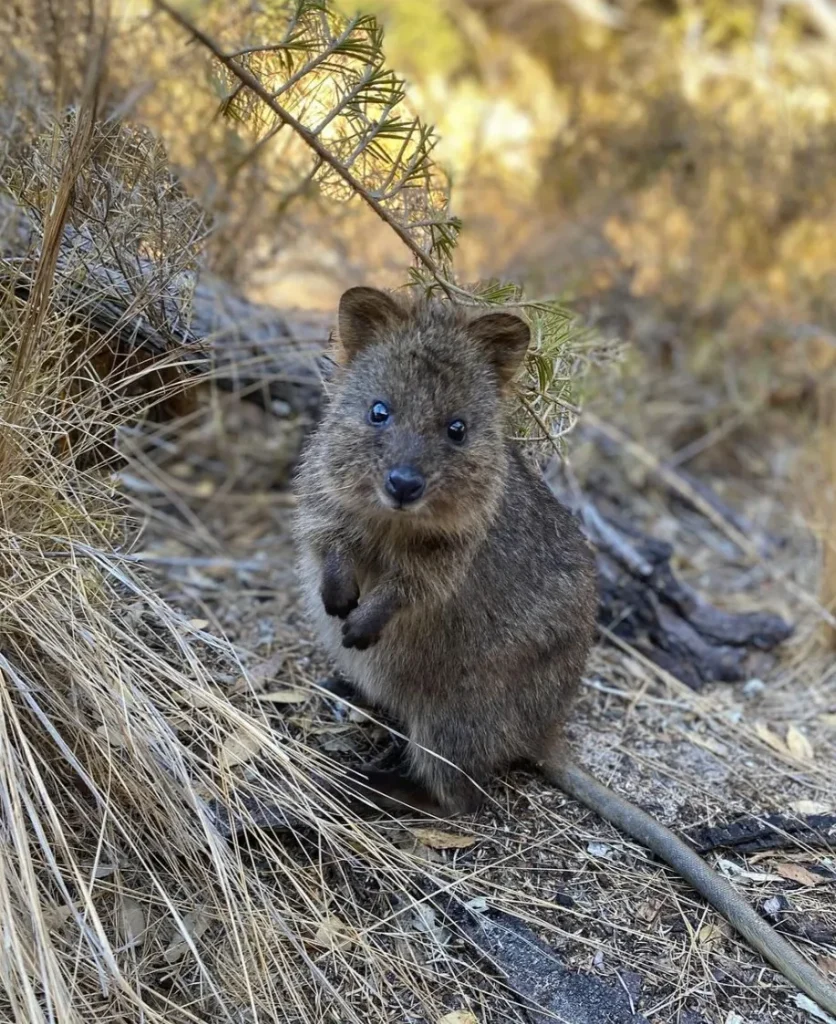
(217, 543)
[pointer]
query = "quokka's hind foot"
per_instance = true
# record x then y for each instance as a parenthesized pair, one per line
(394, 790)
(339, 692)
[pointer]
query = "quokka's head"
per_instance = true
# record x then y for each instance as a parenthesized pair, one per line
(414, 429)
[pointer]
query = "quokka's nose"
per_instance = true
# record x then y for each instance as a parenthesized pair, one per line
(405, 484)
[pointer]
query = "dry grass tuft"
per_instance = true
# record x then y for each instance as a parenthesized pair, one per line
(98, 232)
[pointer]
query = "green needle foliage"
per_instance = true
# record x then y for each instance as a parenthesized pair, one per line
(304, 67)
(562, 349)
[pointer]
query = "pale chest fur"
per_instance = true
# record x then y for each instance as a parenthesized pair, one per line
(369, 670)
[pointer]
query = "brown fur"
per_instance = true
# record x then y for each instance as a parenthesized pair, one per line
(465, 616)
(475, 609)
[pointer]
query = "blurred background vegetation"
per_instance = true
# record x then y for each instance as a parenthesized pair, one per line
(665, 165)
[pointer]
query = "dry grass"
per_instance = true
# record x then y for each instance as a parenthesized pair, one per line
(119, 898)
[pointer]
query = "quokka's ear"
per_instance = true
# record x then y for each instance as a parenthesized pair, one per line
(364, 315)
(504, 338)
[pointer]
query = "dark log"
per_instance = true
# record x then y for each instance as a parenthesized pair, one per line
(266, 355)
(200, 326)
(645, 604)
(770, 832)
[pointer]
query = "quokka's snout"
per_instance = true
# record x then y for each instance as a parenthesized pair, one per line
(405, 485)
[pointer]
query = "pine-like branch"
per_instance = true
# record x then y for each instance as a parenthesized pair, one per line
(365, 86)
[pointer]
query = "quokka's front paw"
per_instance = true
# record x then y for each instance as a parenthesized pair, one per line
(359, 632)
(340, 597)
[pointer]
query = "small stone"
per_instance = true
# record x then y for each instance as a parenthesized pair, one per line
(598, 849)
(478, 905)
(775, 906)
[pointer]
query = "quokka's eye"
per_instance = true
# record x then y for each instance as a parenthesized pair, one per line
(457, 431)
(379, 414)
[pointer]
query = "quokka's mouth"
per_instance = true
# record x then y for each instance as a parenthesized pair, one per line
(390, 504)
